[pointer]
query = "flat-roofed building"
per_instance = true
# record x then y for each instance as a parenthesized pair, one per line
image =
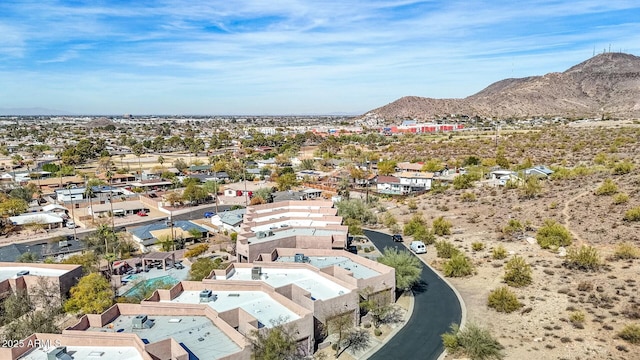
(27, 277)
(326, 296)
(80, 345)
(245, 306)
(149, 330)
(250, 245)
(294, 224)
(371, 278)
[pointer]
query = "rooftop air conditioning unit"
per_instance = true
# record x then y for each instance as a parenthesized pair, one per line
(261, 235)
(270, 233)
(141, 322)
(59, 353)
(298, 258)
(255, 273)
(23, 273)
(205, 295)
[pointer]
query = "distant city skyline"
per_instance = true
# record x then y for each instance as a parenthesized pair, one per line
(288, 57)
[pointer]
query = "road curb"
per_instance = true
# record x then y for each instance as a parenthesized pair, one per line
(463, 308)
(395, 331)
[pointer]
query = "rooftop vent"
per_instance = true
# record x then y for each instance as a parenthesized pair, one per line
(59, 353)
(255, 273)
(141, 322)
(205, 295)
(23, 273)
(96, 354)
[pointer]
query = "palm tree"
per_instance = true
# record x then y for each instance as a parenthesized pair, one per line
(73, 214)
(88, 194)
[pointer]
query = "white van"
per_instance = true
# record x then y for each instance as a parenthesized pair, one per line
(418, 247)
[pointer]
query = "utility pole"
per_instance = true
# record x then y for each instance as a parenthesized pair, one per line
(244, 176)
(215, 179)
(73, 215)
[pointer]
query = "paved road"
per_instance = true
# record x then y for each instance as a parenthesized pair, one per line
(42, 245)
(436, 308)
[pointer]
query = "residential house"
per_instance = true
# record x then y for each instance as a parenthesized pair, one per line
(500, 177)
(391, 185)
(229, 220)
(417, 181)
(539, 171)
(409, 167)
(27, 277)
(148, 235)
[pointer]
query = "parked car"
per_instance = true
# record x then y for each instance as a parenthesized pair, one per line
(209, 214)
(71, 225)
(142, 213)
(418, 247)
(397, 237)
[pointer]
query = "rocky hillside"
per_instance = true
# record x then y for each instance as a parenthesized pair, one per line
(606, 84)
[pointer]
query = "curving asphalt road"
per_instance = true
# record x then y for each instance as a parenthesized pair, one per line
(436, 308)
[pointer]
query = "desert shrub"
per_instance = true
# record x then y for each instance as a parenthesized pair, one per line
(503, 300)
(445, 249)
(620, 198)
(586, 258)
(608, 187)
(463, 181)
(425, 235)
(585, 286)
(626, 251)
(441, 226)
(196, 250)
(576, 319)
(377, 332)
(415, 223)
(499, 253)
(622, 167)
(531, 188)
(553, 235)
(389, 220)
(477, 246)
(632, 214)
(512, 184)
(468, 197)
(514, 226)
(630, 333)
(517, 272)
(438, 187)
(458, 266)
(473, 342)
(600, 159)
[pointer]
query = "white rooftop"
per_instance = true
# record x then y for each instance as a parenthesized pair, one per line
(359, 271)
(280, 234)
(289, 214)
(257, 303)
(320, 288)
(295, 223)
(43, 218)
(89, 352)
(10, 272)
(196, 333)
(290, 207)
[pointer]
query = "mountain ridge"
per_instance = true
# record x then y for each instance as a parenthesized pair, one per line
(605, 85)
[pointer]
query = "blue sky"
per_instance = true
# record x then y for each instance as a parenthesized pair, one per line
(288, 56)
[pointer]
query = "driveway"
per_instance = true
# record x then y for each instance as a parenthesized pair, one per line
(436, 308)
